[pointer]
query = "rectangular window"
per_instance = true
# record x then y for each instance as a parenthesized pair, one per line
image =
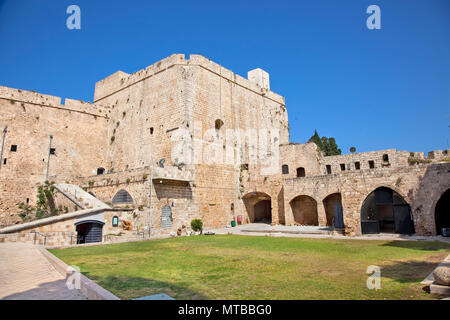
(328, 169)
(371, 164)
(342, 166)
(4, 161)
(13, 148)
(357, 165)
(385, 158)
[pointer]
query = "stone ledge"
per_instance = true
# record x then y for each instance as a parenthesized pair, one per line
(50, 220)
(90, 289)
(430, 278)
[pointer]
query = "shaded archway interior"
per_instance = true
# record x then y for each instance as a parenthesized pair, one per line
(259, 207)
(333, 210)
(384, 210)
(304, 210)
(442, 212)
(89, 231)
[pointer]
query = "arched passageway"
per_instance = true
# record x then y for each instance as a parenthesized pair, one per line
(304, 209)
(259, 207)
(89, 231)
(384, 210)
(333, 210)
(442, 212)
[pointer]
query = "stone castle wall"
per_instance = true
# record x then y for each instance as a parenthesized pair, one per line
(79, 139)
(138, 119)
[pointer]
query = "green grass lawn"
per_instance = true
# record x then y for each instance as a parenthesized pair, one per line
(246, 267)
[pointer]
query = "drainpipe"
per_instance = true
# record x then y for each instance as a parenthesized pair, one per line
(48, 160)
(3, 145)
(150, 212)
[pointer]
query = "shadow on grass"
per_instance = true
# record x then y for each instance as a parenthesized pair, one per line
(419, 245)
(408, 271)
(126, 287)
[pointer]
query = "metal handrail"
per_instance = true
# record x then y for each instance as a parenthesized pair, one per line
(41, 235)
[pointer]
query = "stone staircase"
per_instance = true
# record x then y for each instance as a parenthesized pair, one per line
(80, 197)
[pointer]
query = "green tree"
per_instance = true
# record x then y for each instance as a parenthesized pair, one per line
(316, 139)
(325, 144)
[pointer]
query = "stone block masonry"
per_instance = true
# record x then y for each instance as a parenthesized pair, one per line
(124, 146)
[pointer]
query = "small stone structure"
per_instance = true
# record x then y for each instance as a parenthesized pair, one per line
(186, 138)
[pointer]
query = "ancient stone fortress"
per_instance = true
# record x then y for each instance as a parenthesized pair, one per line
(186, 138)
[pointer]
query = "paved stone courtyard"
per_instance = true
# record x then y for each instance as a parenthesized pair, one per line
(25, 274)
(263, 229)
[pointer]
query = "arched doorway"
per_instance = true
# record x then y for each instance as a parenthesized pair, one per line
(333, 210)
(89, 231)
(384, 210)
(259, 207)
(442, 212)
(304, 209)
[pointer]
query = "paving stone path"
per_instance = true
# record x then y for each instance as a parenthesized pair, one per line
(25, 274)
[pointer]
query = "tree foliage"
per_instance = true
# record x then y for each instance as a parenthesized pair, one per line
(197, 224)
(325, 144)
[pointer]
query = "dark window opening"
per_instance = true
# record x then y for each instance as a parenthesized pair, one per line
(285, 169)
(357, 165)
(342, 166)
(244, 166)
(28, 200)
(301, 172)
(52, 151)
(13, 148)
(4, 161)
(371, 164)
(151, 130)
(328, 169)
(100, 171)
(385, 158)
(218, 124)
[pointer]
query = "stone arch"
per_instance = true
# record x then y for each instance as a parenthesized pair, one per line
(442, 212)
(304, 210)
(386, 210)
(122, 197)
(333, 206)
(258, 206)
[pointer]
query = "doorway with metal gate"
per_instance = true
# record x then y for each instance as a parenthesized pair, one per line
(89, 231)
(166, 217)
(385, 211)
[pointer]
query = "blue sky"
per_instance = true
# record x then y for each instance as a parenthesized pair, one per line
(372, 89)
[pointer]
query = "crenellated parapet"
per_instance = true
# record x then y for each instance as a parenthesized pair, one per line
(22, 97)
(120, 80)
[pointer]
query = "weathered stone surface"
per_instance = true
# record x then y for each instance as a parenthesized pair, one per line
(442, 275)
(135, 122)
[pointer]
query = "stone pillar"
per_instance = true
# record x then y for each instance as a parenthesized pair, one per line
(275, 206)
(321, 215)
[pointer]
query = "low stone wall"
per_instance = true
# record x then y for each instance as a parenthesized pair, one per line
(61, 230)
